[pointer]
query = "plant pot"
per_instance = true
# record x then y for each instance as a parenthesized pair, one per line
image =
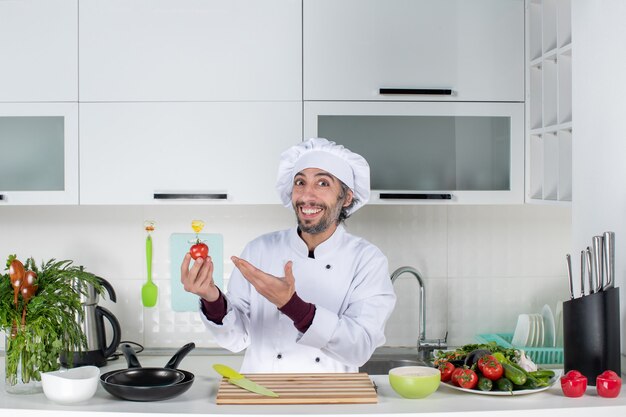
(22, 361)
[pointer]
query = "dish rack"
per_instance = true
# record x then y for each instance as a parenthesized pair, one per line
(539, 355)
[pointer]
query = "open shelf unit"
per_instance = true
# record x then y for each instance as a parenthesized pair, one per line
(549, 101)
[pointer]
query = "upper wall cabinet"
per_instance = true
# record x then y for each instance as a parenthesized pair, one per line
(190, 50)
(164, 153)
(414, 50)
(38, 50)
(39, 157)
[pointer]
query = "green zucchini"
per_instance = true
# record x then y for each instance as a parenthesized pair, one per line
(542, 373)
(514, 374)
(503, 384)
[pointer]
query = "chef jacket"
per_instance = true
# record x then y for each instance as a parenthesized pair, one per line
(348, 281)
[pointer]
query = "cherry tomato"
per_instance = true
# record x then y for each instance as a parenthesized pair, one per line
(199, 250)
(490, 367)
(467, 379)
(608, 384)
(446, 370)
(573, 384)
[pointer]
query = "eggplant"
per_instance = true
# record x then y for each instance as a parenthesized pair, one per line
(474, 355)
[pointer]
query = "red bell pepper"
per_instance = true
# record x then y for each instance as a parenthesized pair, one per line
(573, 384)
(608, 384)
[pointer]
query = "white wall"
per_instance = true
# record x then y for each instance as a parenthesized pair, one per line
(483, 265)
(599, 138)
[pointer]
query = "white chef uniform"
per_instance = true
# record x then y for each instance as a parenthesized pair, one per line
(348, 281)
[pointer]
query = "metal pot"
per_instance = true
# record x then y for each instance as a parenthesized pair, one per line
(148, 384)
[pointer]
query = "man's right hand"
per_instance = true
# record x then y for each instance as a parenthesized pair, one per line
(199, 279)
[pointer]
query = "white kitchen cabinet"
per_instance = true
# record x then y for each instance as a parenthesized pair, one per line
(549, 102)
(430, 152)
(38, 50)
(160, 153)
(190, 50)
(39, 154)
(355, 48)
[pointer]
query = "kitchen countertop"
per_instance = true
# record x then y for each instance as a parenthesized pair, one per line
(200, 399)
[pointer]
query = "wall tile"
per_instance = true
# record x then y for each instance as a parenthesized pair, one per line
(488, 305)
(460, 251)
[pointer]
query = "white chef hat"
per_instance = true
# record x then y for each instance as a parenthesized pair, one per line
(351, 168)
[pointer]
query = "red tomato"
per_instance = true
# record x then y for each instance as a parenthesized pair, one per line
(490, 367)
(573, 384)
(446, 370)
(467, 379)
(455, 375)
(199, 250)
(608, 384)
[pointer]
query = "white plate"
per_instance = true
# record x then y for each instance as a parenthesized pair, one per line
(522, 331)
(540, 330)
(555, 378)
(559, 324)
(549, 326)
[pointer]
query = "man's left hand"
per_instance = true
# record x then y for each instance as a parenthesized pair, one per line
(277, 290)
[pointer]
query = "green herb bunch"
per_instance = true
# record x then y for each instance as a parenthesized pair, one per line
(53, 317)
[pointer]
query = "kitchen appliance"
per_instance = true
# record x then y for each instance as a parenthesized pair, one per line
(93, 326)
(295, 388)
(138, 390)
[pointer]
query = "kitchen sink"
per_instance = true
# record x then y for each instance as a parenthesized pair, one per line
(386, 358)
(381, 366)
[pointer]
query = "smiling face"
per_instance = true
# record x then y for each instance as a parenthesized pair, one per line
(317, 199)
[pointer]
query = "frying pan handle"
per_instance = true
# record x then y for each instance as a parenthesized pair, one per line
(130, 356)
(179, 355)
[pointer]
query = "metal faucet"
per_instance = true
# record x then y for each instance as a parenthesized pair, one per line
(425, 347)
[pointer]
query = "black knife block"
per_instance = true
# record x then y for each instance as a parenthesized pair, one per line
(591, 334)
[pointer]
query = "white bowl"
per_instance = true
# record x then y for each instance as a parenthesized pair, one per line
(67, 386)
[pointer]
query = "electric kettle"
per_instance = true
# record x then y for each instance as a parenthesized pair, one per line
(93, 326)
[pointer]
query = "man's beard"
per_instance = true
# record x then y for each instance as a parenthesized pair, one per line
(330, 217)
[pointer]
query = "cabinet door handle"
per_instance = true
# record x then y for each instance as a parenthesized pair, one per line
(190, 196)
(414, 196)
(417, 91)
(1, 197)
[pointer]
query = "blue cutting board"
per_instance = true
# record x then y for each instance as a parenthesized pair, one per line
(179, 246)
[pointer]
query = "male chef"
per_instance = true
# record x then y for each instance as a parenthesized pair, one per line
(313, 298)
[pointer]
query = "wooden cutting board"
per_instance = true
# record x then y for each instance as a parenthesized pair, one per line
(322, 388)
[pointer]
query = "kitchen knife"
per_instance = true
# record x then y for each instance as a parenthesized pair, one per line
(597, 262)
(241, 381)
(583, 270)
(589, 270)
(609, 259)
(569, 275)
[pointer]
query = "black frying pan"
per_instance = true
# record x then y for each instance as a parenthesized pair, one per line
(143, 387)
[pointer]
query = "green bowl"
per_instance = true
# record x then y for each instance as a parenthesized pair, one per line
(414, 381)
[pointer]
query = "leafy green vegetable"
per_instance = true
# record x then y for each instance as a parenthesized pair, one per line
(460, 353)
(52, 325)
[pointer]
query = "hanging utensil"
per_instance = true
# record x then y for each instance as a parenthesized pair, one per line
(149, 290)
(609, 259)
(597, 262)
(568, 260)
